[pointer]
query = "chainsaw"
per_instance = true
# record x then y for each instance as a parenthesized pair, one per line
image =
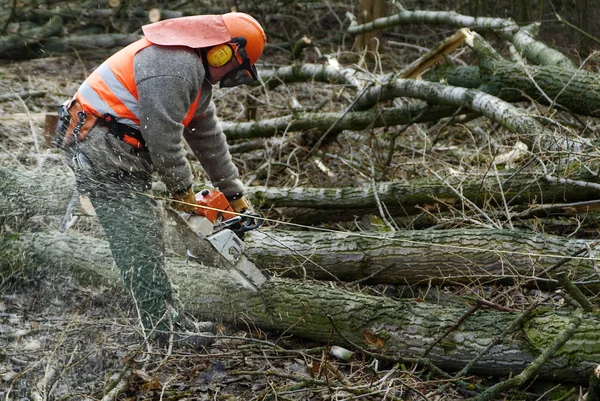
(215, 226)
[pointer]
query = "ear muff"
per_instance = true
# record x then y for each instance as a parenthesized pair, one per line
(219, 55)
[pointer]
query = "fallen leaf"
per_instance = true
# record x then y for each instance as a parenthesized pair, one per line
(372, 340)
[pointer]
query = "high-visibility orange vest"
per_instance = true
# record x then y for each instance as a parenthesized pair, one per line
(111, 88)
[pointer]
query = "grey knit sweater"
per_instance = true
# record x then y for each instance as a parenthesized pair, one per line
(168, 80)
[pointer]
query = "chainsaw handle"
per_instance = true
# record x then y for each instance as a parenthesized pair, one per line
(251, 221)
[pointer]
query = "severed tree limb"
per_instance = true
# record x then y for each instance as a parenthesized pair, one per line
(404, 329)
(531, 48)
(357, 120)
(434, 56)
(510, 117)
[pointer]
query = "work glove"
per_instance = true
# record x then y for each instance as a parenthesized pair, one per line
(184, 201)
(241, 205)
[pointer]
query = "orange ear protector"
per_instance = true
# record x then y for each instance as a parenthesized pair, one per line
(219, 55)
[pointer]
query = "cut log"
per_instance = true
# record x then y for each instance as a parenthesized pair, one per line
(402, 329)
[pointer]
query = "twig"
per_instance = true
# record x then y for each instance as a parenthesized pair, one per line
(378, 202)
(574, 291)
(513, 326)
(340, 118)
(64, 224)
(494, 305)
(21, 95)
(467, 201)
(370, 276)
(33, 134)
(568, 181)
(575, 27)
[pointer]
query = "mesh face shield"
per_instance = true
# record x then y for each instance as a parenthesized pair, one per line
(246, 73)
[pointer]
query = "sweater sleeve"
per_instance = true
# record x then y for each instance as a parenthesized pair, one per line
(209, 144)
(168, 80)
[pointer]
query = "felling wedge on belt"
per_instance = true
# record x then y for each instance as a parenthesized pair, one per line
(214, 226)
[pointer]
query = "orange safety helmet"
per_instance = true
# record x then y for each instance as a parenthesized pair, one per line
(201, 31)
(241, 24)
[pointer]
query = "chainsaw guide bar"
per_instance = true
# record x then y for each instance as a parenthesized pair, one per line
(228, 245)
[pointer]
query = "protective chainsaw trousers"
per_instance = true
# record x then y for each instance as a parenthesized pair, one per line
(117, 180)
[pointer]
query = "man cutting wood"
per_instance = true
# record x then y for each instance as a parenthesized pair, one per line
(130, 118)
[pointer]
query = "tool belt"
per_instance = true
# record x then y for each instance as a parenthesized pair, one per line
(75, 124)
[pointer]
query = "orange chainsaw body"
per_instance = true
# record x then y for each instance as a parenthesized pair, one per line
(213, 205)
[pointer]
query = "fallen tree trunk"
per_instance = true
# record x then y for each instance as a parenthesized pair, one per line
(87, 42)
(402, 329)
(425, 257)
(568, 87)
(405, 198)
(25, 193)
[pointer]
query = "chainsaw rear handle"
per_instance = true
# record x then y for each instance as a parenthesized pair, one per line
(242, 223)
(251, 222)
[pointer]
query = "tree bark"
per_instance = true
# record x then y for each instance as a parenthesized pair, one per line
(368, 11)
(403, 329)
